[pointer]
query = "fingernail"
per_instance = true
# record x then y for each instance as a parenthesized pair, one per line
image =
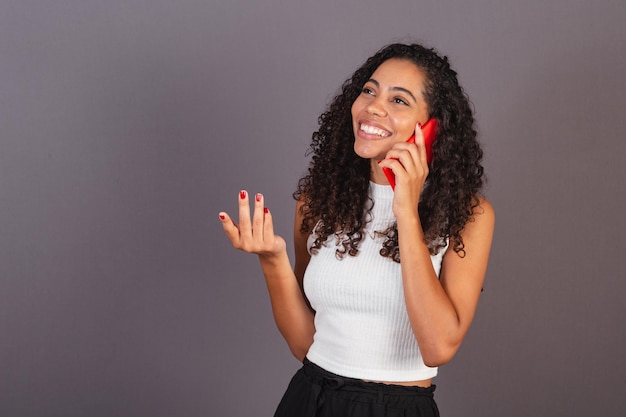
(258, 197)
(419, 124)
(266, 210)
(242, 194)
(222, 217)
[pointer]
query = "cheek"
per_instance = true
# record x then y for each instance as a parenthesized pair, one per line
(403, 130)
(359, 105)
(407, 125)
(354, 110)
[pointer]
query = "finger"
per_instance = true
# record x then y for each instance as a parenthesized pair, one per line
(268, 226)
(397, 150)
(245, 226)
(230, 228)
(421, 145)
(394, 165)
(405, 153)
(409, 159)
(257, 219)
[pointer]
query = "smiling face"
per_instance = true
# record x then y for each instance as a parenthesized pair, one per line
(388, 108)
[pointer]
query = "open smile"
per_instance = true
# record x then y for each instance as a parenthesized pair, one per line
(373, 130)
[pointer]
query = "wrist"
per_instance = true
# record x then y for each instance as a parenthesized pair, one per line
(409, 218)
(271, 259)
(410, 224)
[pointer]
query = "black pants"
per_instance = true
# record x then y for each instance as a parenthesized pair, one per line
(315, 392)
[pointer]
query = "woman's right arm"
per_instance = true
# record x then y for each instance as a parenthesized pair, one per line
(255, 234)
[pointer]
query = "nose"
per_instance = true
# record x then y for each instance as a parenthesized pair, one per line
(376, 108)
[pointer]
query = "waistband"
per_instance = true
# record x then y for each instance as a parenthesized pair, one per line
(329, 380)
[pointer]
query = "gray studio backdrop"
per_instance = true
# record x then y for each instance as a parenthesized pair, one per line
(126, 126)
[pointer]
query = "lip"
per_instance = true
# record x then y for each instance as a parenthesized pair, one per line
(371, 136)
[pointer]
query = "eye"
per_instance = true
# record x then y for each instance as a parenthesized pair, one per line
(399, 100)
(367, 90)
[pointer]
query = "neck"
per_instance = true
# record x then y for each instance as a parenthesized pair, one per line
(377, 176)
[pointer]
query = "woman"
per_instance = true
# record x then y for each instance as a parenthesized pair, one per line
(386, 282)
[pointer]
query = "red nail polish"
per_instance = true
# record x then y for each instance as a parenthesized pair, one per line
(266, 210)
(258, 197)
(242, 194)
(222, 216)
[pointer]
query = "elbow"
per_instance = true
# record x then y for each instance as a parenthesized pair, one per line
(299, 354)
(436, 362)
(299, 350)
(436, 357)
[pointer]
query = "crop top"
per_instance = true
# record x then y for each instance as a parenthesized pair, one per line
(362, 328)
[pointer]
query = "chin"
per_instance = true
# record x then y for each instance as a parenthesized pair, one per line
(363, 153)
(368, 152)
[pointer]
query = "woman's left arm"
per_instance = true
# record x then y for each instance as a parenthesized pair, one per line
(441, 308)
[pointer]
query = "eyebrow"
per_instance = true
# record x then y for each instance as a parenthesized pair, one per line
(377, 84)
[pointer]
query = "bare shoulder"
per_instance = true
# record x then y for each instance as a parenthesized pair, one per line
(300, 242)
(484, 207)
(298, 219)
(467, 268)
(483, 217)
(478, 231)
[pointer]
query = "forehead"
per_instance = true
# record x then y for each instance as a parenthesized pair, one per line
(397, 72)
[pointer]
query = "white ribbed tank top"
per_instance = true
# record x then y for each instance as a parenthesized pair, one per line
(362, 329)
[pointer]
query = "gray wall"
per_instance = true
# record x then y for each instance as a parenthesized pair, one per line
(126, 126)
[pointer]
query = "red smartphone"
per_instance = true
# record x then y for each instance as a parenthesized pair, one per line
(429, 131)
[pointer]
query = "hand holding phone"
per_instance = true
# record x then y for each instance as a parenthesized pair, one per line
(429, 131)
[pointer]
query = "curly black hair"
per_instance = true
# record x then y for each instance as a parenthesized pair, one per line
(335, 189)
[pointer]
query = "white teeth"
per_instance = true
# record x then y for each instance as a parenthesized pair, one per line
(373, 130)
